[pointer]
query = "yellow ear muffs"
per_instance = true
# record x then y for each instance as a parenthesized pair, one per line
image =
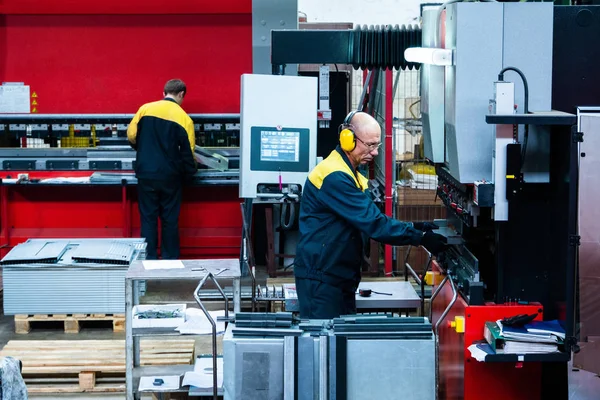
(347, 139)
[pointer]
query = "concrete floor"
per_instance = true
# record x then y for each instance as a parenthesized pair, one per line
(583, 385)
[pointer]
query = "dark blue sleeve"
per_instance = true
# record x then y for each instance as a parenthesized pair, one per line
(340, 194)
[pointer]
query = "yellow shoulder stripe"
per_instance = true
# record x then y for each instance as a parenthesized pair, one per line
(167, 110)
(334, 163)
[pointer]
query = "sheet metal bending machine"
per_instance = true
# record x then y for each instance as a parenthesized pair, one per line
(507, 174)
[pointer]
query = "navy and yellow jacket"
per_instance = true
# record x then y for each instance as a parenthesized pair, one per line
(334, 212)
(163, 135)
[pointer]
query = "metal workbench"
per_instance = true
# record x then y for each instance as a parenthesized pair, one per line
(403, 296)
(195, 270)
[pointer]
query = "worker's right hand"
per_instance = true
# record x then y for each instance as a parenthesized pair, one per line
(433, 242)
(425, 226)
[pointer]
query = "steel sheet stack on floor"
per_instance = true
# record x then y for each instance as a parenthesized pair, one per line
(68, 276)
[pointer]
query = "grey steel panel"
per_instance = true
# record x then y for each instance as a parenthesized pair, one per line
(397, 369)
(289, 367)
(39, 252)
(432, 94)
(107, 252)
(307, 366)
(236, 364)
(534, 58)
(37, 153)
(589, 229)
(487, 37)
(266, 16)
(474, 31)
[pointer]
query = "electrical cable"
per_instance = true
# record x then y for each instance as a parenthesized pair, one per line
(411, 106)
(525, 106)
(287, 225)
(292, 203)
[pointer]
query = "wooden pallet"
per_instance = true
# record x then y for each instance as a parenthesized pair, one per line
(77, 366)
(71, 321)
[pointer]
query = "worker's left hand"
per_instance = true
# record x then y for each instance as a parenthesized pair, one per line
(425, 226)
(434, 243)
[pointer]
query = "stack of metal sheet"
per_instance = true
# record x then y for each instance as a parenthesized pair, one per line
(352, 357)
(68, 276)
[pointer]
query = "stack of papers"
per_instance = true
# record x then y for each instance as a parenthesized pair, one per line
(515, 347)
(554, 328)
(520, 340)
(523, 335)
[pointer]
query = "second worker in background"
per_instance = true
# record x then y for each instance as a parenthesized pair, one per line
(163, 136)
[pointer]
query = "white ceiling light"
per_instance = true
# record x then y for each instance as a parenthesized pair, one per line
(431, 56)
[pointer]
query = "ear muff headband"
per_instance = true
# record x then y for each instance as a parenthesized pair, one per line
(347, 138)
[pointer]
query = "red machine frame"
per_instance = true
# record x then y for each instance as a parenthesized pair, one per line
(463, 377)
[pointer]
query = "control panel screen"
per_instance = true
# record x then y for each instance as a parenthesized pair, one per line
(279, 146)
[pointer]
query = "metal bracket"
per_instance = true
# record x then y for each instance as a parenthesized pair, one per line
(574, 240)
(420, 280)
(211, 159)
(106, 165)
(62, 164)
(213, 323)
(18, 165)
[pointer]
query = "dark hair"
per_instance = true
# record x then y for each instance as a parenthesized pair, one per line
(175, 86)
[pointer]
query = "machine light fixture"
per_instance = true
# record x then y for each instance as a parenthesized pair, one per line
(433, 56)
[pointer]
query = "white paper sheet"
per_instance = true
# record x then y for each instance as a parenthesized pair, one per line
(85, 179)
(14, 98)
(202, 376)
(171, 382)
(196, 322)
(477, 353)
(162, 264)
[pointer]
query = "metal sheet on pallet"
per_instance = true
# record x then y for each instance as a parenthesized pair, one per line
(105, 252)
(73, 276)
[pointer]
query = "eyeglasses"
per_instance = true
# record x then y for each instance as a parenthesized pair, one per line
(371, 147)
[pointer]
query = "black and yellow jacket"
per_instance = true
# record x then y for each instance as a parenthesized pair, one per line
(334, 212)
(163, 135)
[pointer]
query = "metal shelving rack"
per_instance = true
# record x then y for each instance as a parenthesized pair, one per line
(198, 270)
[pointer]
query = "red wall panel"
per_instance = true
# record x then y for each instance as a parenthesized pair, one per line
(114, 63)
(125, 7)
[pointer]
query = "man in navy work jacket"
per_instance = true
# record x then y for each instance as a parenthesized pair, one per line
(164, 139)
(335, 212)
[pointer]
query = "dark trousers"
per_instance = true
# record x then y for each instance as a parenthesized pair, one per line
(160, 199)
(318, 300)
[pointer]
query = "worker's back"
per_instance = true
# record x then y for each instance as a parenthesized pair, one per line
(164, 142)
